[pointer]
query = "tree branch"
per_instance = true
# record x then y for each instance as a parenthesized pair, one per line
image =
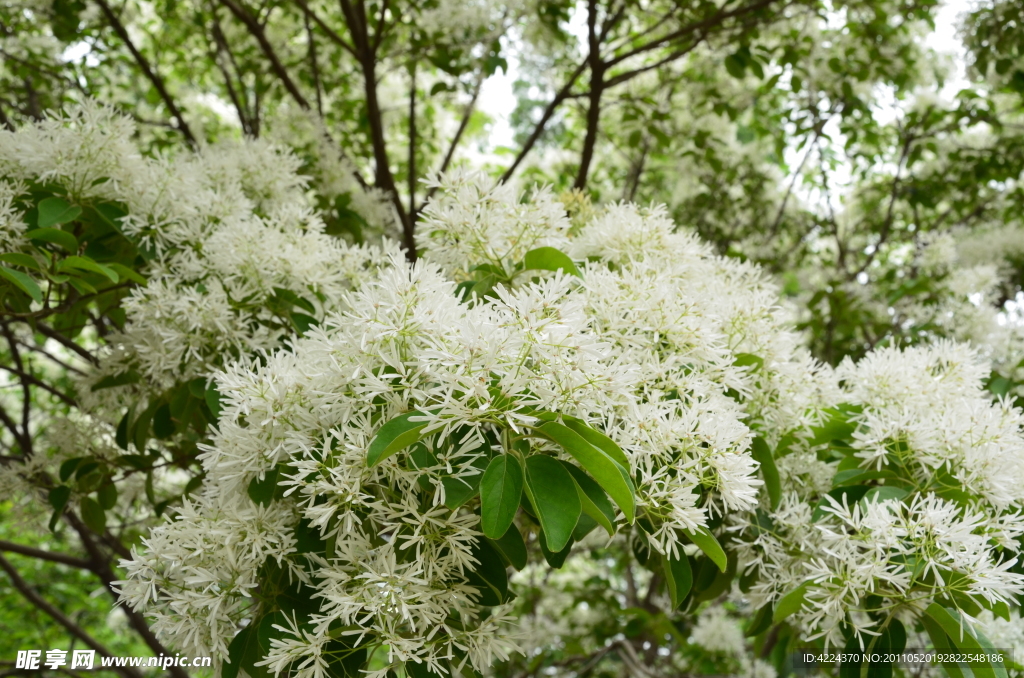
(596, 90)
(30, 595)
(549, 111)
(701, 26)
(31, 552)
(257, 31)
(147, 70)
(64, 341)
(100, 565)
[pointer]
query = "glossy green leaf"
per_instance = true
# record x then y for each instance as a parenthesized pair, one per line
(552, 493)
(127, 273)
(93, 515)
(262, 491)
(707, 543)
(593, 499)
(962, 637)
(55, 236)
(612, 478)
(55, 211)
(598, 440)
(763, 456)
(394, 436)
(59, 497)
(122, 379)
(77, 263)
(761, 622)
(488, 575)
(67, 469)
(550, 259)
(791, 602)
(500, 490)
(679, 577)
(213, 400)
(19, 259)
(23, 283)
(457, 491)
(512, 547)
(107, 495)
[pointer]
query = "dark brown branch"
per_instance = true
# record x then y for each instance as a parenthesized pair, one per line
(257, 32)
(27, 378)
(314, 67)
(694, 27)
(463, 124)
(31, 552)
(412, 136)
(331, 33)
(147, 70)
(240, 103)
(818, 128)
(23, 439)
(355, 15)
(100, 564)
(67, 343)
(596, 90)
(31, 596)
(26, 392)
(538, 130)
(883, 236)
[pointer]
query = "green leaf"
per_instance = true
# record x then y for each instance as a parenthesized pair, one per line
(554, 558)
(512, 547)
(303, 323)
(489, 576)
(734, 65)
(55, 211)
(77, 263)
(748, 360)
(394, 436)
(791, 602)
(679, 578)
(127, 273)
(943, 644)
(837, 426)
(239, 649)
(962, 636)
(598, 440)
(262, 491)
(608, 474)
(884, 493)
(23, 283)
(19, 259)
(707, 543)
(761, 621)
(59, 497)
(552, 492)
(500, 490)
(121, 436)
(163, 425)
(122, 379)
(550, 259)
(763, 455)
(212, 398)
(93, 515)
(593, 499)
(457, 491)
(107, 495)
(55, 236)
(67, 469)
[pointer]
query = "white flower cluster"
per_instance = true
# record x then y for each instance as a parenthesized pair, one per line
(644, 346)
(229, 233)
(925, 501)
